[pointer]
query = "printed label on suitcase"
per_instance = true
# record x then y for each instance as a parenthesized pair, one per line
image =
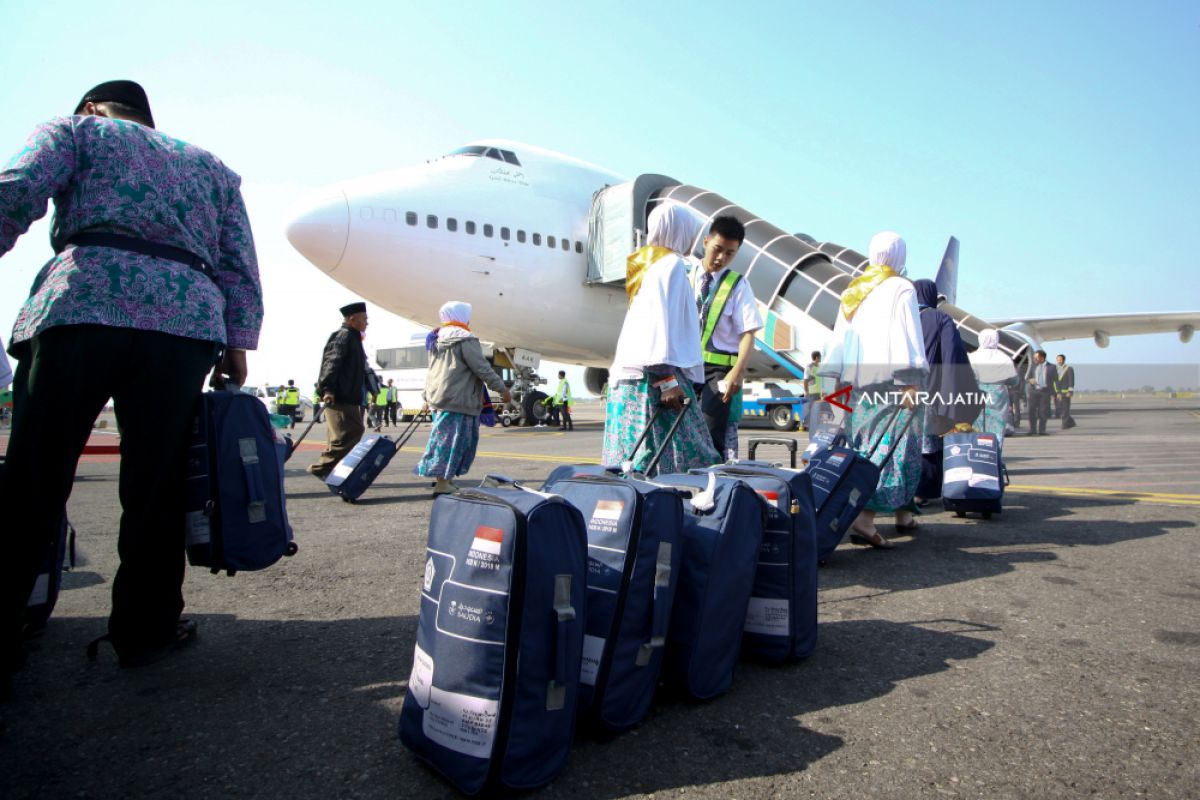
(979, 479)
(471, 613)
(485, 548)
(607, 516)
(593, 651)
(421, 678)
(342, 470)
(772, 498)
(957, 475)
(458, 722)
(198, 528)
(461, 723)
(767, 615)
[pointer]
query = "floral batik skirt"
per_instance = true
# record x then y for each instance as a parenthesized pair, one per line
(451, 447)
(874, 424)
(631, 403)
(996, 417)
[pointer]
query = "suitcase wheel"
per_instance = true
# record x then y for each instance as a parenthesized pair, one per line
(292, 549)
(347, 500)
(960, 514)
(987, 515)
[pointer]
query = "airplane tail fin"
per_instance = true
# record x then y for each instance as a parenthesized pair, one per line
(947, 274)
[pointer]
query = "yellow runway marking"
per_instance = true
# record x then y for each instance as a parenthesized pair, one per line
(1157, 498)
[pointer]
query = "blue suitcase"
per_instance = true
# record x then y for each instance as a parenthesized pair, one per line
(843, 482)
(781, 620)
(60, 556)
(635, 532)
(235, 509)
(355, 473)
(825, 436)
(720, 555)
(973, 474)
(492, 695)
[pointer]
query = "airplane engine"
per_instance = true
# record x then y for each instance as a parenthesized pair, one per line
(1186, 333)
(594, 379)
(1100, 338)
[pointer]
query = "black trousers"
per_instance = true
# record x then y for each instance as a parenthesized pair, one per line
(59, 389)
(1067, 420)
(714, 409)
(1039, 410)
(565, 410)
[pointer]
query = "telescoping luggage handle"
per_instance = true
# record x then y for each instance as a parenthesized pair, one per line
(627, 466)
(292, 445)
(790, 444)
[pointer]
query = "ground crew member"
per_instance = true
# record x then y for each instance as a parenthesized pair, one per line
(287, 400)
(728, 320)
(562, 398)
(382, 401)
(341, 387)
(154, 273)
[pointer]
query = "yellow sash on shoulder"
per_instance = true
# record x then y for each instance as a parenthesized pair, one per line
(863, 285)
(636, 265)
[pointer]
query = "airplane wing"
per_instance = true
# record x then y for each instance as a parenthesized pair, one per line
(1101, 327)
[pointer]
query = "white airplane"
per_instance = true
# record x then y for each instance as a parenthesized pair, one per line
(536, 241)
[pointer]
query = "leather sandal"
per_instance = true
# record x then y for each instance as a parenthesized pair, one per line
(877, 542)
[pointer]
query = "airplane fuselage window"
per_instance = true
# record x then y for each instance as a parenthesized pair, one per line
(487, 230)
(411, 218)
(431, 221)
(521, 237)
(470, 227)
(566, 245)
(451, 224)
(505, 234)
(550, 242)
(537, 238)
(579, 247)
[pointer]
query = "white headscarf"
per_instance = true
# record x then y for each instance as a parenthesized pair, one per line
(888, 248)
(661, 326)
(990, 365)
(454, 311)
(674, 227)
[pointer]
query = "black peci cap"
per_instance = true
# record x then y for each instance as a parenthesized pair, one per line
(127, 93)
(353, 308)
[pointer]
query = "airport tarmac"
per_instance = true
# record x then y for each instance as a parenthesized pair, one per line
(1053, 651)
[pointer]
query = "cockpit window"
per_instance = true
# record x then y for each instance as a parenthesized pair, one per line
(478, 150)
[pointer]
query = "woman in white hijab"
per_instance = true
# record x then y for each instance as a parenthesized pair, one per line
(877, 348)
(996, 376)
(454, 387)
(658, 358)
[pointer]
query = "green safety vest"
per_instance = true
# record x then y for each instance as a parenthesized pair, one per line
(708, 324)
(563, 393)
(381, 399)
(292, 397)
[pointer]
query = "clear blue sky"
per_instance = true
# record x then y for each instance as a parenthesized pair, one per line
(1057, 140)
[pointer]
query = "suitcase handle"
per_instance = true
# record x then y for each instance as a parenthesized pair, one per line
(556, 692)
(790, 444)
(661, 611)
(687, 402)
(256, 508)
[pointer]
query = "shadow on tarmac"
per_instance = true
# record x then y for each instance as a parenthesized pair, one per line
(947, 551)
(310, 709)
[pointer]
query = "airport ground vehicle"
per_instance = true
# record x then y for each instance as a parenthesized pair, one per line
(779, 405)
(408, 365)
(267, 393)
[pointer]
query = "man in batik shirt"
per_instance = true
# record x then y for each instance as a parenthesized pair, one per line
(154, 275)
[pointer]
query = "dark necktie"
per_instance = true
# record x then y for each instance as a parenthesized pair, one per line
(705, 284)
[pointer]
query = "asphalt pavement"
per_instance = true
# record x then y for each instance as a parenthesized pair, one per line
(1053, 651)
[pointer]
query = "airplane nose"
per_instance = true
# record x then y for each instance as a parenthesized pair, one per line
(320, 228)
